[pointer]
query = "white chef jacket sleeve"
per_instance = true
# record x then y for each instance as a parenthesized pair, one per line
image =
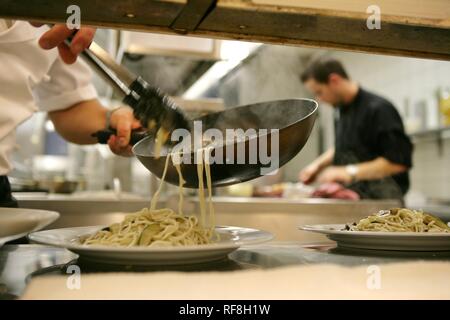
(64, 86)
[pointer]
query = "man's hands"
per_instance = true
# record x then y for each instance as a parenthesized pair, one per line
(309, 174)
(335, 174)
(77, 124)
(329, 174)
(58, 33)
(375, 169)
(124, 122)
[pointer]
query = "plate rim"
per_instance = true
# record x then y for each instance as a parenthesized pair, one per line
(51, 216)
(169, 249)
(315, 228)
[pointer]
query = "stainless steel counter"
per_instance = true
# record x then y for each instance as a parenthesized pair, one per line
(83, 212)
(20, 262)
(282, 217)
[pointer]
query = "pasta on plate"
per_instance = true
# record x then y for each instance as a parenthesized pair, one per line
(153, 227)
(400, 220)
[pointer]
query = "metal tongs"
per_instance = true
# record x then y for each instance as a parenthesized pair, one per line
(150, 105)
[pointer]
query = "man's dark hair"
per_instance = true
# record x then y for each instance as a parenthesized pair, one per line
(321, 69)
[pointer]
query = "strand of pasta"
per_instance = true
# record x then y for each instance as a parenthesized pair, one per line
(201, 190)
(181, 182)
(155, 198)
(212, 215)
(163, 227)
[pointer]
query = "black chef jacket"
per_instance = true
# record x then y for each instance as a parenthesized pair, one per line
(368, 128)
(6, 199)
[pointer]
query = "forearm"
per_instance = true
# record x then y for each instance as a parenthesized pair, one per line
(378, 168)
(77, 123)
(325, 159)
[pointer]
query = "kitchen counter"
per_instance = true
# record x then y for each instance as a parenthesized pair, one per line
(19, 263)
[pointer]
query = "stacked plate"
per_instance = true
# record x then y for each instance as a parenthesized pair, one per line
(17, 223)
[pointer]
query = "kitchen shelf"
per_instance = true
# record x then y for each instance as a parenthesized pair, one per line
(438, 132)
(436, 135)
(420, 31)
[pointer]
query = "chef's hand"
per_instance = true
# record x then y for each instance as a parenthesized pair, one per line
(335, 174)
(309, 174)
(123, 121)
(58, 33)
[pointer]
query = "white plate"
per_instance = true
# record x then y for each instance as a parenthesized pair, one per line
(16, 223)
(231, 239)
(399, 241)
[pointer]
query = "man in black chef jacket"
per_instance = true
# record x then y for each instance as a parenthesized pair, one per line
(372, 153)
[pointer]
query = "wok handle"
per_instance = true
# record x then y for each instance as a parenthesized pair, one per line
(104, 135)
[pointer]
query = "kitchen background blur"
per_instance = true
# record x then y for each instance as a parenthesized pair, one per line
(89, 185)
(220, 74)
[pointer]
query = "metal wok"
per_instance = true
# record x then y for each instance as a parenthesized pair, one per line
(293, 118)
